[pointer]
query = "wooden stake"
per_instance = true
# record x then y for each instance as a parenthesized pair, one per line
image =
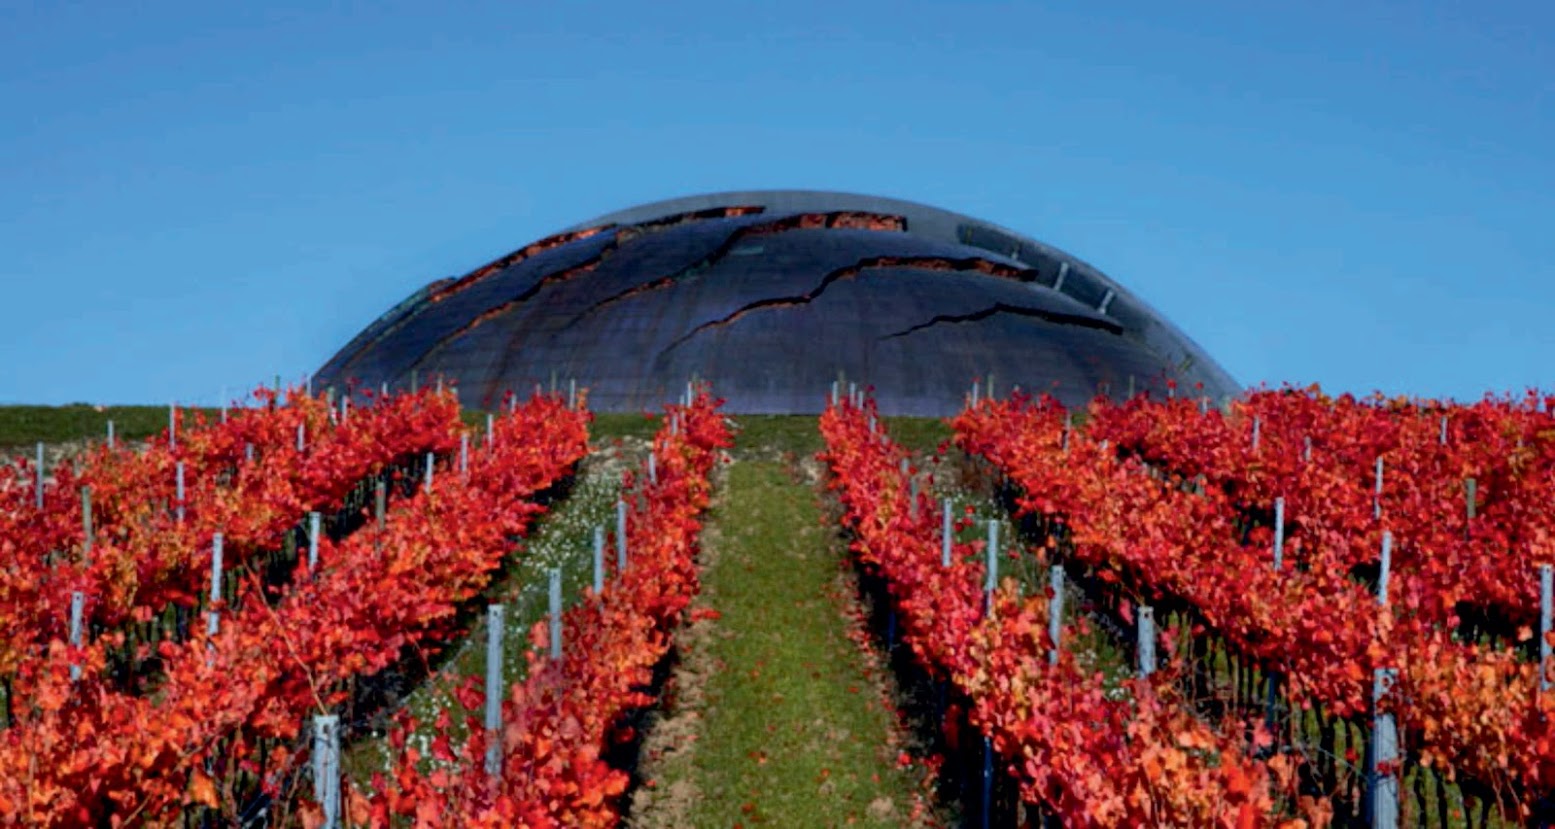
(326, 767)
(77, 605)
(599, 561)
(38, 476)
(944, 536)
(495, 687)
(620, 537)
(86, 525)
(313, 541)
(1145, 643)
(556, 613)
(1055, 611)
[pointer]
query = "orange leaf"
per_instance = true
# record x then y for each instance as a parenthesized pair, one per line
(202, 790)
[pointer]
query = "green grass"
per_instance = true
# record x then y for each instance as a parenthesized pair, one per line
(22, 427)
(794, 734)
(801, 435)
(918, 434)
(783, 434)
(608, 426)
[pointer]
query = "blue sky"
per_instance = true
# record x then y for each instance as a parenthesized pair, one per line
(195, 198)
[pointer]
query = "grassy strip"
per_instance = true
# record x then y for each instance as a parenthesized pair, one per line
(794, 734)
(22, 427)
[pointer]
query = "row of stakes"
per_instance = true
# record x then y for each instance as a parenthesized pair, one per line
(342, 414)
(40, 464)
(314, 532)
(856, 398)
(326, 757)
(326, 727)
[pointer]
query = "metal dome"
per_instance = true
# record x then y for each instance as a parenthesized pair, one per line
(771, 295)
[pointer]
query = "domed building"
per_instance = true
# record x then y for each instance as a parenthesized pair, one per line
(771, 295)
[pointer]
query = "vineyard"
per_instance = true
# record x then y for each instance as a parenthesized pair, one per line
(1329, 605)
(192, 628)
(1292, 610)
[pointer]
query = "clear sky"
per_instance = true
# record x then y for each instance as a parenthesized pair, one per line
(194, 198)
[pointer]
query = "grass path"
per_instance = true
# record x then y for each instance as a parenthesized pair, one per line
(793, 733)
